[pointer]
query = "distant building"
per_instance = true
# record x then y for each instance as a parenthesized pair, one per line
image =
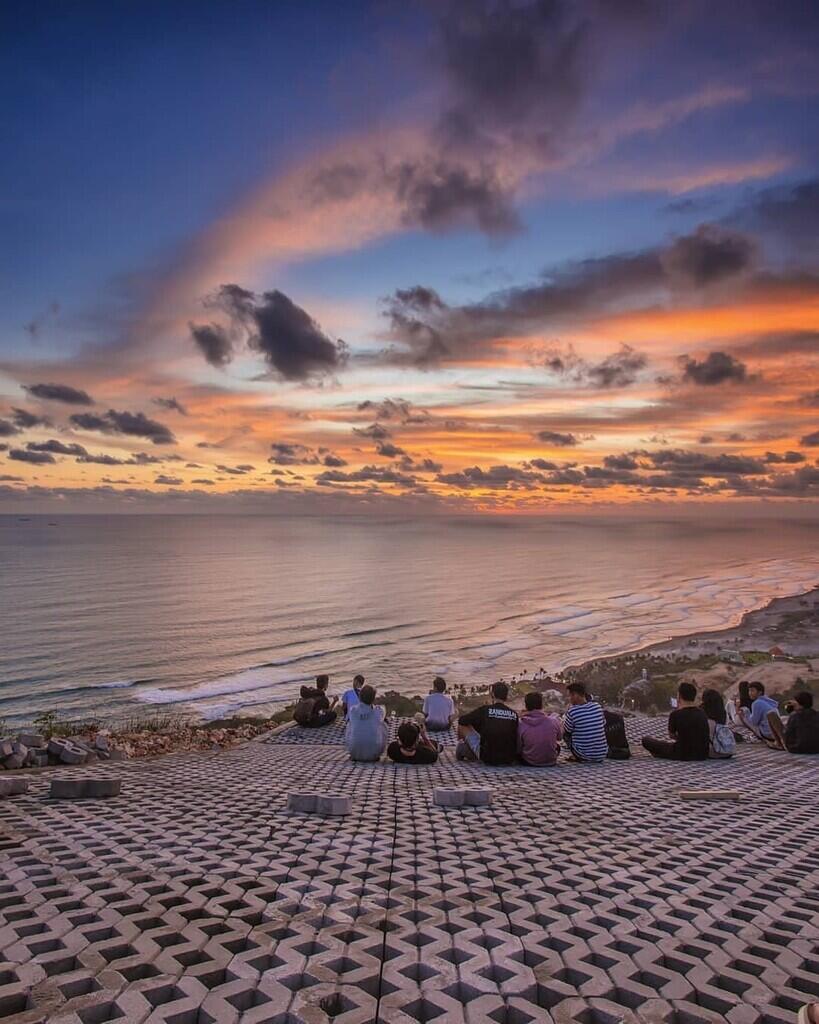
(732, 657)
(776, 652)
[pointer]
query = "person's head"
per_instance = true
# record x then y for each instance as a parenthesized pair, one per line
(408, 733)
(358, 682)
(366, 694)
(804, 699)
(305, 693)
(756, 690)
(439, 684)
(712, 704)
(533, 701)
(500, 691)
(686, 693)
(577, 693)
(322, 682)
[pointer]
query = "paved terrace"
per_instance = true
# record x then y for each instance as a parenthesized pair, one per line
(588, 894)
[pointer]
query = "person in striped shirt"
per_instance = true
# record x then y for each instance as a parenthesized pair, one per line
(584, 726)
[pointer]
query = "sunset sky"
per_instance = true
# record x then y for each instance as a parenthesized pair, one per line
(414, 257)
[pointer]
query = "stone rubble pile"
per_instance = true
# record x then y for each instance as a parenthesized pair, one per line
(33, 750)
(150, 743)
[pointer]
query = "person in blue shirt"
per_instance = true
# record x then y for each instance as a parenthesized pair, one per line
(757, 718)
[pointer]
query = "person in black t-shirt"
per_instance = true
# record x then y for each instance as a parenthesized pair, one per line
(490, 732)
(688, 729)
(408, 749)
(800, 735)
(323, 713)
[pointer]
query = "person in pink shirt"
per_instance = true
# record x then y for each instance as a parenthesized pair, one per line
(539, 734)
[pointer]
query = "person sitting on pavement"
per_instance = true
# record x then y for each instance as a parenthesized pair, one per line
(584, 726)
(757, 718)
(350, 697)
(539, 734)
(366, 734)
(409, 748)
(490, 732)
(690, 737)
(722, 739)
(800, 734)
(323, 706)
(439, 707)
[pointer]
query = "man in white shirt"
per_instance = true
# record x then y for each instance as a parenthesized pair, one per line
(439, 707)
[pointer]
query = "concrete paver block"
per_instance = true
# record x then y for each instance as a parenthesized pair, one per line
(80, 789)
(333, 804)
(446, 796)
(303, 802)
(477, 797)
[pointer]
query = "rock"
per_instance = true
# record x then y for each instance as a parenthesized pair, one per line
(13, 762)
(305, 803)
(445, 796)
(477, 797)
(20, 749)
(6, 749)
(13, 787)
(101, 742)
(333, 805)
(80, 789)
(32, 739)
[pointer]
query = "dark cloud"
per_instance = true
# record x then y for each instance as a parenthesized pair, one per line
(498, 478)
(172, 404)
(333, 461)
(559, 440)
(543, 464)
(389, 450)
(625, 461)
(170, 481)
(272, 324)
(8, 478)
(132, 424)
(204, 481)
(368, 474)
(789, 212)
(105, 460)
(810, 440)
(440, 194)
(374, 431)
(773, 458)
(36, 458)
(703, 464)
(811, 399)
(59, 393)
(716, 368)
(214, 343)
(397, 409)
(618, 370)
(236, 470)
(3, 447)
(56, 447)
(433, 332)
(8, 429)
(25, 419)
(286, 453)
(775, 344)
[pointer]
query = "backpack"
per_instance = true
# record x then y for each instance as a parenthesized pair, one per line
(723, 743)
(303, 711)
(616, 737)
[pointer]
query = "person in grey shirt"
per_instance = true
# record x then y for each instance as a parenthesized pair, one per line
(366, 735)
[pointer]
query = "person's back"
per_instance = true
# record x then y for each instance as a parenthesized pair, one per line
(408, 750)
(351, 697)
(496, 728)
(584, 726)
(802, 728)
(439, 707)
(692, 735)
(366, 734)
(538, 733)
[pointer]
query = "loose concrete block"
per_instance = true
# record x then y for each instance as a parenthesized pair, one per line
(81, 789)
(101, 742)
(6, 749)
(72, 755)
(56, 746)
(445, 796)
(117, 755)
(20, 749)
(13, 762)
(710, 794)
(13, 787)
(32, 739)
(303, 802)
(333, 805)
(477, 797)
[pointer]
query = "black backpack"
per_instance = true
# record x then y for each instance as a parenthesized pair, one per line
(616, 736)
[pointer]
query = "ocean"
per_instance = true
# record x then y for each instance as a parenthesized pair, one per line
(109, 615)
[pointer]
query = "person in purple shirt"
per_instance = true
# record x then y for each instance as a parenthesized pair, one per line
(539, 734)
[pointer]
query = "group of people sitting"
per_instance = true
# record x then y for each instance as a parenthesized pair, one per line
(495, 734)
